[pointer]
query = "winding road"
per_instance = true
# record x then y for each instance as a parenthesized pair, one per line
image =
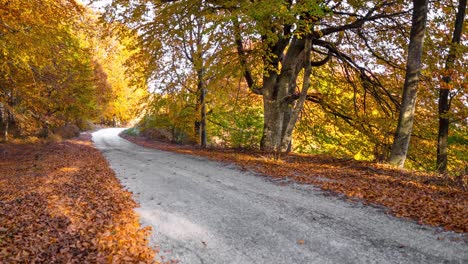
(209, 212)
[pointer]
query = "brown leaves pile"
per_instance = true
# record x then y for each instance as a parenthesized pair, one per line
(418, 196)
(61, 203)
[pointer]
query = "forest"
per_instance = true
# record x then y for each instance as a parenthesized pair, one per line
(378, 81)
(249, 131)
(61, 67)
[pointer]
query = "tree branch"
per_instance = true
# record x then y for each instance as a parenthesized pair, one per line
(360, 21)
(243, 58)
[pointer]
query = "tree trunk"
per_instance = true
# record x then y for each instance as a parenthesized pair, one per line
(413, 67)
(5, 132)
(298, 105)
(46, 129)
(280, 99)
(203, 119)
(4, 122)
(272, 123)
(5, 127)
(277, 115)
(200, 125)
(442, 136)
(444, 103)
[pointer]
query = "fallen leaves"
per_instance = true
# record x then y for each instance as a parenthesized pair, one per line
(418, 196)
(61, 203)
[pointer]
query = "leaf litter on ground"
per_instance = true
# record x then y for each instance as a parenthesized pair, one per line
(61, 203)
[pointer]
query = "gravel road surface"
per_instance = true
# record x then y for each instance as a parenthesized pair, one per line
(209, 212)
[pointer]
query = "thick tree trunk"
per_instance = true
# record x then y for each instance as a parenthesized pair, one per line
(279, 101)
(272, 123)
(413, 66)
(444, 104)
(277, 115)
(297, 106)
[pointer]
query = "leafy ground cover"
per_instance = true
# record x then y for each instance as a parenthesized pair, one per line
(427, 198)
(61, 203)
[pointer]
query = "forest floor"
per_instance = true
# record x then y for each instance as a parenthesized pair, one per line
(429, 199)
(61, 203)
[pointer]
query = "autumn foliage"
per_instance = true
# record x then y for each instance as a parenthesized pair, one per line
(61, 203)
(60, 66)
(206, 55)
(426, 198)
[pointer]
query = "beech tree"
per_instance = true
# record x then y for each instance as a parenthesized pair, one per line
(413, 67)
(292, 37)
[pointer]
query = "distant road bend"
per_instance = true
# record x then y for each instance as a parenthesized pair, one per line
(209, 212)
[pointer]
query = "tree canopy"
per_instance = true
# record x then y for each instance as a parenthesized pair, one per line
(307, 76)
(327, 75)
(60, 65)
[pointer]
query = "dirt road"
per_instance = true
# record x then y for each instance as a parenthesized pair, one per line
(209, 212)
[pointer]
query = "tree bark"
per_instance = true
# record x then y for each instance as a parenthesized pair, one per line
(5, 132)
(298, 104)
(6, 126)
(413, 67)
(444, 103)
(4, 122)
(200, 122)
(202, 90)
(279, 101)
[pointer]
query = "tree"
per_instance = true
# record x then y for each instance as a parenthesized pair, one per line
(194, 41)
(52, 71)
(119, 71)
(179, 42)
(291, 38)
(28, 39)
(444, 102)
(413, 67)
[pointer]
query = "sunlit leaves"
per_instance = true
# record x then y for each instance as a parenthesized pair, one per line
(358, 90)
(58, 65)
